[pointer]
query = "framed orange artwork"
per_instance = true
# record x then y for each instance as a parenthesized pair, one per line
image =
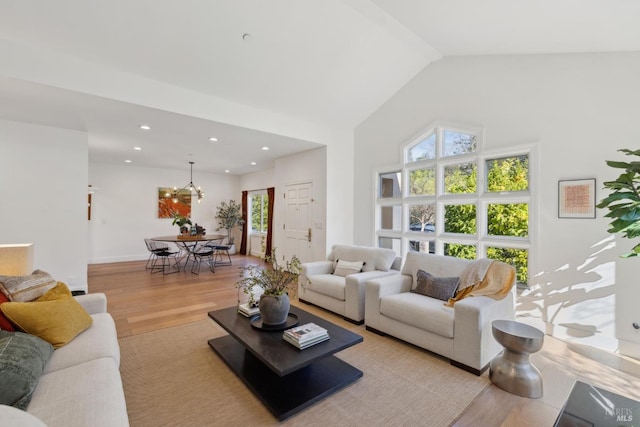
(171, 202)
(577, 198)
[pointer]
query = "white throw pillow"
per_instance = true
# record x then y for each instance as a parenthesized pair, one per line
(344, 268)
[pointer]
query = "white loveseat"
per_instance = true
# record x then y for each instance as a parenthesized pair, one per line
(81, 384)
(461, 333)
(345, 295)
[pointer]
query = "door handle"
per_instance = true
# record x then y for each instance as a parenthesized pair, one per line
(309, 235)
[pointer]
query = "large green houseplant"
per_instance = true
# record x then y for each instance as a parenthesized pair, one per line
(624, 202)
(229, 216)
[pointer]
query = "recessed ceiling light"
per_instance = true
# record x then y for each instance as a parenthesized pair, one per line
(213, 139)
(145, 127)
(246, 37)
(227, 171)
(137, 148)
(253, 163)
(265, 148)
(127, 161)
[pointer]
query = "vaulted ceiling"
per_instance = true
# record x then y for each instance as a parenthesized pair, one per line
(326, 64)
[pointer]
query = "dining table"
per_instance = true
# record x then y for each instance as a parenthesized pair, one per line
(189, 244)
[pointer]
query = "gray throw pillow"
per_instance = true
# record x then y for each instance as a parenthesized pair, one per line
(441, 288)
(22, 360)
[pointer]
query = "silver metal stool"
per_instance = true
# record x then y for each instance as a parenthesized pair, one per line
(511, 370)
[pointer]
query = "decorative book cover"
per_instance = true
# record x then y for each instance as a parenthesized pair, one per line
(306, 332)
(306, 344)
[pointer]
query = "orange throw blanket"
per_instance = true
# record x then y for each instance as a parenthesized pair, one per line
(484, 277)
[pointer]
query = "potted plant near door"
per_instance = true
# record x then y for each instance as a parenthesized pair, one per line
(229, 216)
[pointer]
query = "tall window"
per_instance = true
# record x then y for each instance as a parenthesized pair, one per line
(259, 212)
(458, 201)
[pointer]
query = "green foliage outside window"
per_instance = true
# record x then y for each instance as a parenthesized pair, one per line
(461, 179)
(259, 212)
(422, 182)
(508, 174)
(460, 251)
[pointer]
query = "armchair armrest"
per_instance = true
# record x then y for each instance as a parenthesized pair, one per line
(474, 344)
(312, 269)
(93, 303)
(389, 285)
(355, 285)
(317, 267)
(381, 287)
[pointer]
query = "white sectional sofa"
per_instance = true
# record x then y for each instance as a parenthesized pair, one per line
(461, 333)
(344, 295)
(81, 384)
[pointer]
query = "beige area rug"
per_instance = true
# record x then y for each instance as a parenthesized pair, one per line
(171, 377)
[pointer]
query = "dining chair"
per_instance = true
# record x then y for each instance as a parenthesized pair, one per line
(160, 251)
(220, 253)
(154, 247)
(204, 254)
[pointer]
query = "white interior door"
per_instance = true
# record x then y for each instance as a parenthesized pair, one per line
(298, 217)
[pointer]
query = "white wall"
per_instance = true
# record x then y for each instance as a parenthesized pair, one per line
(43, 197)
(125, 208)
(340, 220)
(578, 110)
(258, 180)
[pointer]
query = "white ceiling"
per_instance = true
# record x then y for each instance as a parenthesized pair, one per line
(331, 63)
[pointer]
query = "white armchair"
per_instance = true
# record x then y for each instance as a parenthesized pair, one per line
(461, 333)
(345, 295)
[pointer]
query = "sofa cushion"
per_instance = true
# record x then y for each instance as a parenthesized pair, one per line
(100, 340)
(441, 288)
(22, 360)
(419, 311)
(5, 325)
(88, 394)
(56, 316)
(344, 268)
(374, 258)
(329, 285)
(26, 288)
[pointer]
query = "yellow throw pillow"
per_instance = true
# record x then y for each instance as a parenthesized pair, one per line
(56, 316)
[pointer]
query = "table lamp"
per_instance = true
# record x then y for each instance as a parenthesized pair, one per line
(16, 259)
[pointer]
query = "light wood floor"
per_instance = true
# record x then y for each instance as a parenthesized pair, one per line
(142, 302)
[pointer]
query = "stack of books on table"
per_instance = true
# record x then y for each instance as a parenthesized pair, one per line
(305, 335)
(248, 311)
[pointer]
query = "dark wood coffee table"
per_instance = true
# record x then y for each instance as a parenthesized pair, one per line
(286, 380)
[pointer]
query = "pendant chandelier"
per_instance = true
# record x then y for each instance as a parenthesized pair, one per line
(192, 189)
